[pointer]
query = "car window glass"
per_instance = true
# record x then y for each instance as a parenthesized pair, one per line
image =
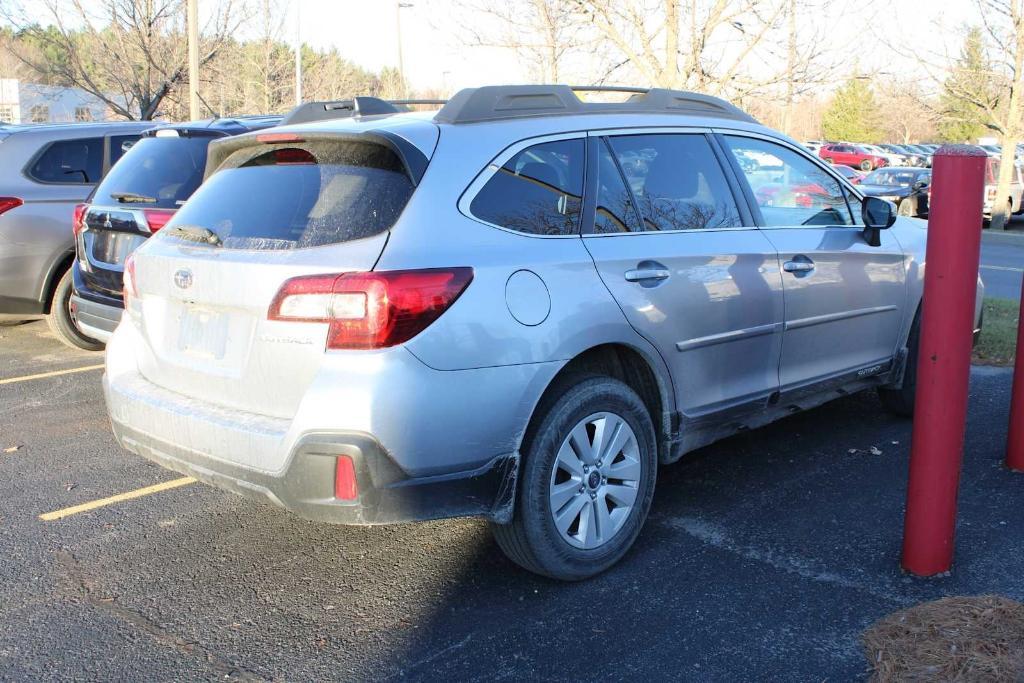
(677, 181)
(538, 191)
(119, 144)
(856, 207)
(161, 172)
(789, 188)
(615, 211)
(70, 161)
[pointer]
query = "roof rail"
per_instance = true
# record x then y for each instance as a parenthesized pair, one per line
(499, 102)
(357, 106)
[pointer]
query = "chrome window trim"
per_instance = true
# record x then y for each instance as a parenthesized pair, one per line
(482, 178)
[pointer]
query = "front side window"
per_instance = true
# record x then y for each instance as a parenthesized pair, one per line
(677, 182)
(70, 161)
(789, 189)
(538, 191)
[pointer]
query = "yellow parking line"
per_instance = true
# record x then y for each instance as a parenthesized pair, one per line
(43, 375)
(137, 493)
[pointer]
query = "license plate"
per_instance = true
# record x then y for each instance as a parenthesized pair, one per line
(203, 333)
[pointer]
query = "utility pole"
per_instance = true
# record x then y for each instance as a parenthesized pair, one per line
(193, 59)
(787, 123)
(298, 53)
(398, 32)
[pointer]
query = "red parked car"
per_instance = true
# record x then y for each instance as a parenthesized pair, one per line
(843, 154)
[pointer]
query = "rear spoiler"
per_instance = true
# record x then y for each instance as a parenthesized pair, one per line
(414, 161)
(357, 106)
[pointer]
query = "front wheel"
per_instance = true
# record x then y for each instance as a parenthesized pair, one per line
(587, 481)
(62, 321)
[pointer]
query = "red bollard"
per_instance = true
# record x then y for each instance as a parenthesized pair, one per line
(944, 358)
(1015, 442)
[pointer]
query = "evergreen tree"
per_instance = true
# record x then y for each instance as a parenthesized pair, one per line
(853, 114)
(962, 119)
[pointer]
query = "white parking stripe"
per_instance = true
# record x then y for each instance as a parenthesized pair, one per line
(44, 375)
(1006, 268)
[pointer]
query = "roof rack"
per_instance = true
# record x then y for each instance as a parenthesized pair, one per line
(499, 102)
(357, 106)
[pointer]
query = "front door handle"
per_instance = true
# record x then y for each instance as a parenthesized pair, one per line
(799, 265)
(641, 274)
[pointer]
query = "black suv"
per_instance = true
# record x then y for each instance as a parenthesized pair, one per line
(137, 198)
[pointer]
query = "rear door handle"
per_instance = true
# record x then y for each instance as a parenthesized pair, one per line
(641, 274)
(798, 265)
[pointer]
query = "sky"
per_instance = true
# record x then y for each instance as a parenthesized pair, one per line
(365, 32)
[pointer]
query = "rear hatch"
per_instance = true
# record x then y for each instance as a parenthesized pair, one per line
(137, 198)
(201, 291)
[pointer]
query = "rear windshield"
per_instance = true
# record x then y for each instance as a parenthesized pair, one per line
(158, 172)
(300, 195)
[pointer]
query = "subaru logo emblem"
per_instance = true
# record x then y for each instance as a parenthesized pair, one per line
(183, 278)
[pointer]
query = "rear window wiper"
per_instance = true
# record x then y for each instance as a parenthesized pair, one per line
(195, 233)
(133, 198)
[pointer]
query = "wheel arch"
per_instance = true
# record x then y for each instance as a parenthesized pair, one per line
(57, 269)
(641, 370)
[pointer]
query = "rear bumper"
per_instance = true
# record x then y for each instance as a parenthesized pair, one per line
(94, 319)
(306, 486)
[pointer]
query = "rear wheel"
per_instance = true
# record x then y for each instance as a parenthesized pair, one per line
(62, 321)
(901, 401)
(587, 480)
(866, 165)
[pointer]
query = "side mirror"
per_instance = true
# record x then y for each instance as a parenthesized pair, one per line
(878, 214)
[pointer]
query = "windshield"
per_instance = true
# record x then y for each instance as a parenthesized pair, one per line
(156, 172)
(297, 195)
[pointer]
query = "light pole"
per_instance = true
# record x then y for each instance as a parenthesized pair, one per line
(193, 59)
(298, 53)
(398, 25)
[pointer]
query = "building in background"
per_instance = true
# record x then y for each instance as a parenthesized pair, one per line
(22, 102)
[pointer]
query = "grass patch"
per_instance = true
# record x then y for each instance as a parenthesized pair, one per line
(998, 341)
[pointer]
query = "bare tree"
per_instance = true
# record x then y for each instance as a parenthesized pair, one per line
(130, 54)
(542, 33)
(703, 45)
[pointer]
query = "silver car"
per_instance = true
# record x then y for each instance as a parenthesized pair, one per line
(515, 308)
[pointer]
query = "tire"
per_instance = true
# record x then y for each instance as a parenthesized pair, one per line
(62, 321)
(901, 401)
(867, 166)
(907, 208)
(577, 550)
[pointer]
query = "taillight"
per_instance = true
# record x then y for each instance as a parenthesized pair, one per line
(8, 203)
(129, 290)
(370, 310)
(345, 485)
(78, 219)
(157, 218)
(274, 138)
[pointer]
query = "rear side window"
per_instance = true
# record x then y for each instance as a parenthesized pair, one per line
(74, 162)
(119, 144)
(159, 172)
(300, 195)
(538, 191)
(677, 182)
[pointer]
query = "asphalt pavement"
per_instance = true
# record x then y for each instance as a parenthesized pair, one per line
(764, 558)
(1002, 262)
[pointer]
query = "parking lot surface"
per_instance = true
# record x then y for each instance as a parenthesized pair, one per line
(1002, 263)
(764, 558)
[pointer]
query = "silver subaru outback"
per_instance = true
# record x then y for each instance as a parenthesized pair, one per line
(514, 308)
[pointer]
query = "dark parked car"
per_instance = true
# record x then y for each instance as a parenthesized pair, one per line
(134, 201)
(844, 154)
(47, 170)
(913, 156)
(905, 187)
(853, 175)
